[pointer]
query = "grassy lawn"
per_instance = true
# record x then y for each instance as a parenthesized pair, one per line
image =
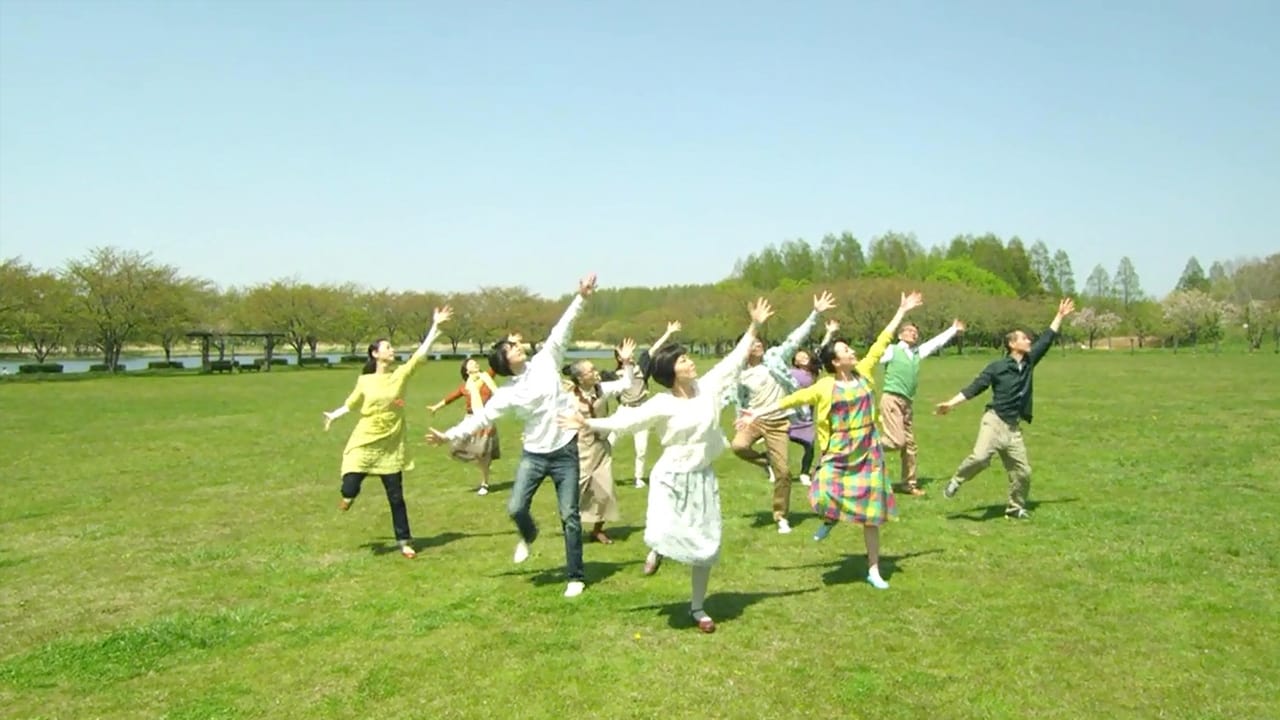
(170, 547)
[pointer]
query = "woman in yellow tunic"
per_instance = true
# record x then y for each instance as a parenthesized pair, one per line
(376, 445)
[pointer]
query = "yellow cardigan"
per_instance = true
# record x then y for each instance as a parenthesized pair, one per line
(819, 394)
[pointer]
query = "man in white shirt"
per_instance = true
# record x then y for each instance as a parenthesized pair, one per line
(536, 396)
(901, 363)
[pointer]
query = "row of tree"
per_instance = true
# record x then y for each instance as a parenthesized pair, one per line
(112, 298)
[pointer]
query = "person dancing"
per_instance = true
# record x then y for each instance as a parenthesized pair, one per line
(482, 447)
(597, 501)
(765, 380)
(901, 375)
(1000, 431)
(683, 518)
(536, 395)
(376, 445)
(805, 369)
(852, 483)
(634, 395)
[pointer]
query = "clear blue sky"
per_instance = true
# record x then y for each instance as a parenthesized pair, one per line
(445, 145)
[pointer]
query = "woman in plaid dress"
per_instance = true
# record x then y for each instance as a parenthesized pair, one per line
(851, 483)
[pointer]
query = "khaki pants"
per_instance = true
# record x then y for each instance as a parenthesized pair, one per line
(774, 433)
(898, 424)
(997, 436)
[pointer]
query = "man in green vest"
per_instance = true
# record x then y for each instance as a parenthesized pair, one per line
(901, 372)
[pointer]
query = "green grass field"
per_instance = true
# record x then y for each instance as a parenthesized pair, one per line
(171, 548)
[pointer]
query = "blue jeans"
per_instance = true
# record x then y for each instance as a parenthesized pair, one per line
(562, 467)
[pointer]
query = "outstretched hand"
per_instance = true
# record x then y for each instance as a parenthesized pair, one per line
(587, 285)
(626, 350)
(441, 315)
(435, 437)
(942, 408)
(911, 301)
(674, 327)
(832, 326)
(823, 302)
(958, 324)
(328, 420)
(1066, 307)
(760, 311)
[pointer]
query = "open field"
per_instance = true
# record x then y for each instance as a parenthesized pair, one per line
(170, 547)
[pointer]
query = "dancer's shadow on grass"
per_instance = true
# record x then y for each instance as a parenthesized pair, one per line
(388, 545)
(617, 534)
(853, 568)
(595, 572)
(984, 513)
(764, 518)
(722, 606)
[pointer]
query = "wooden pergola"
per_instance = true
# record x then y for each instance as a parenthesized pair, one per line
(206, 335)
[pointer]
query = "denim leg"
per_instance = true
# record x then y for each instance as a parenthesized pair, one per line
(351, 485)
(565, 471)
(394, 485)
(529, 476)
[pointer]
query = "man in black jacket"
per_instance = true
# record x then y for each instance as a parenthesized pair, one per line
(1001, 430)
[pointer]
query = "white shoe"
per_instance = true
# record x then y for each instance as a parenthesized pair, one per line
(484, 490)
(772, 478)
(522, 552)
(805, 480)
(575, 588)
(639, 483)
(784, 527)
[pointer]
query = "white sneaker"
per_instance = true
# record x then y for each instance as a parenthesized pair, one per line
(484, 490)
(575, 588)
(639, 483)
(784, 527)
(772, 478)
(805, 480)
(522, 552)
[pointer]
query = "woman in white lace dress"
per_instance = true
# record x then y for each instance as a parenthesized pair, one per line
(683, 519)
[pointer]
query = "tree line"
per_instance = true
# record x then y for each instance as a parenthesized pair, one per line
(112, 298)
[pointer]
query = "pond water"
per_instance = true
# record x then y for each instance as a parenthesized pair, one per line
(79, 365)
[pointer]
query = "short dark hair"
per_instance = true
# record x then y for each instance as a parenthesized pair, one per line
(827, 353)
(662, 367)
(498, 358)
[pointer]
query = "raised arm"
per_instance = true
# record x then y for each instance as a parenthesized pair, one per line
(673, 327)
(936, 342)
(787, 349)
(628, 378)
(867, 364)
(439, 316)
(715, 378)
(1045, 341)
(554, 347)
